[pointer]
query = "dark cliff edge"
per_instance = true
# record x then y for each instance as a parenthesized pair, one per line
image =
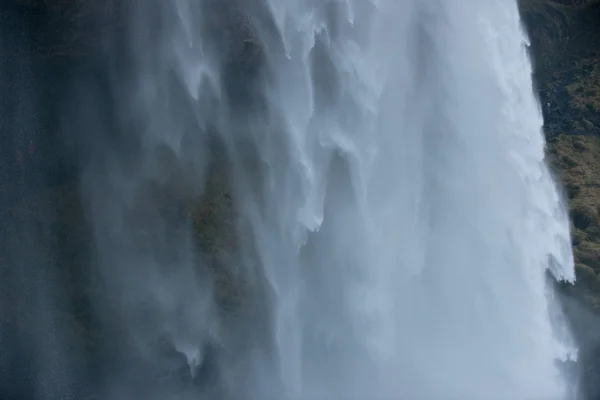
(55, 41)
(565, 49)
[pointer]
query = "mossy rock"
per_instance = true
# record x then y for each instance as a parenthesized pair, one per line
(588, 252)
(585, 273)
(584, 216)
(576, 161)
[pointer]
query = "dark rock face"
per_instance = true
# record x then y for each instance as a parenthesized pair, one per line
(565, 36)
(35, 223)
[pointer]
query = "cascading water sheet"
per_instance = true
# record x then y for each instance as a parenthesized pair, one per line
(387, 162)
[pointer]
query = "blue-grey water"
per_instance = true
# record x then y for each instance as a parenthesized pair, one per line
(391, 221)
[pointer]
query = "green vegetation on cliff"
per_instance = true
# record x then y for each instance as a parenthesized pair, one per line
(576, 160)
(565, 36)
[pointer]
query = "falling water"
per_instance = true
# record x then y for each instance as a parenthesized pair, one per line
(391, 215)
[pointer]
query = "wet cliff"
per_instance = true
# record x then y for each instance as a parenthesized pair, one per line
(565, 37)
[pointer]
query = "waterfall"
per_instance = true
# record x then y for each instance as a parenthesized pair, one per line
(389, 220)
